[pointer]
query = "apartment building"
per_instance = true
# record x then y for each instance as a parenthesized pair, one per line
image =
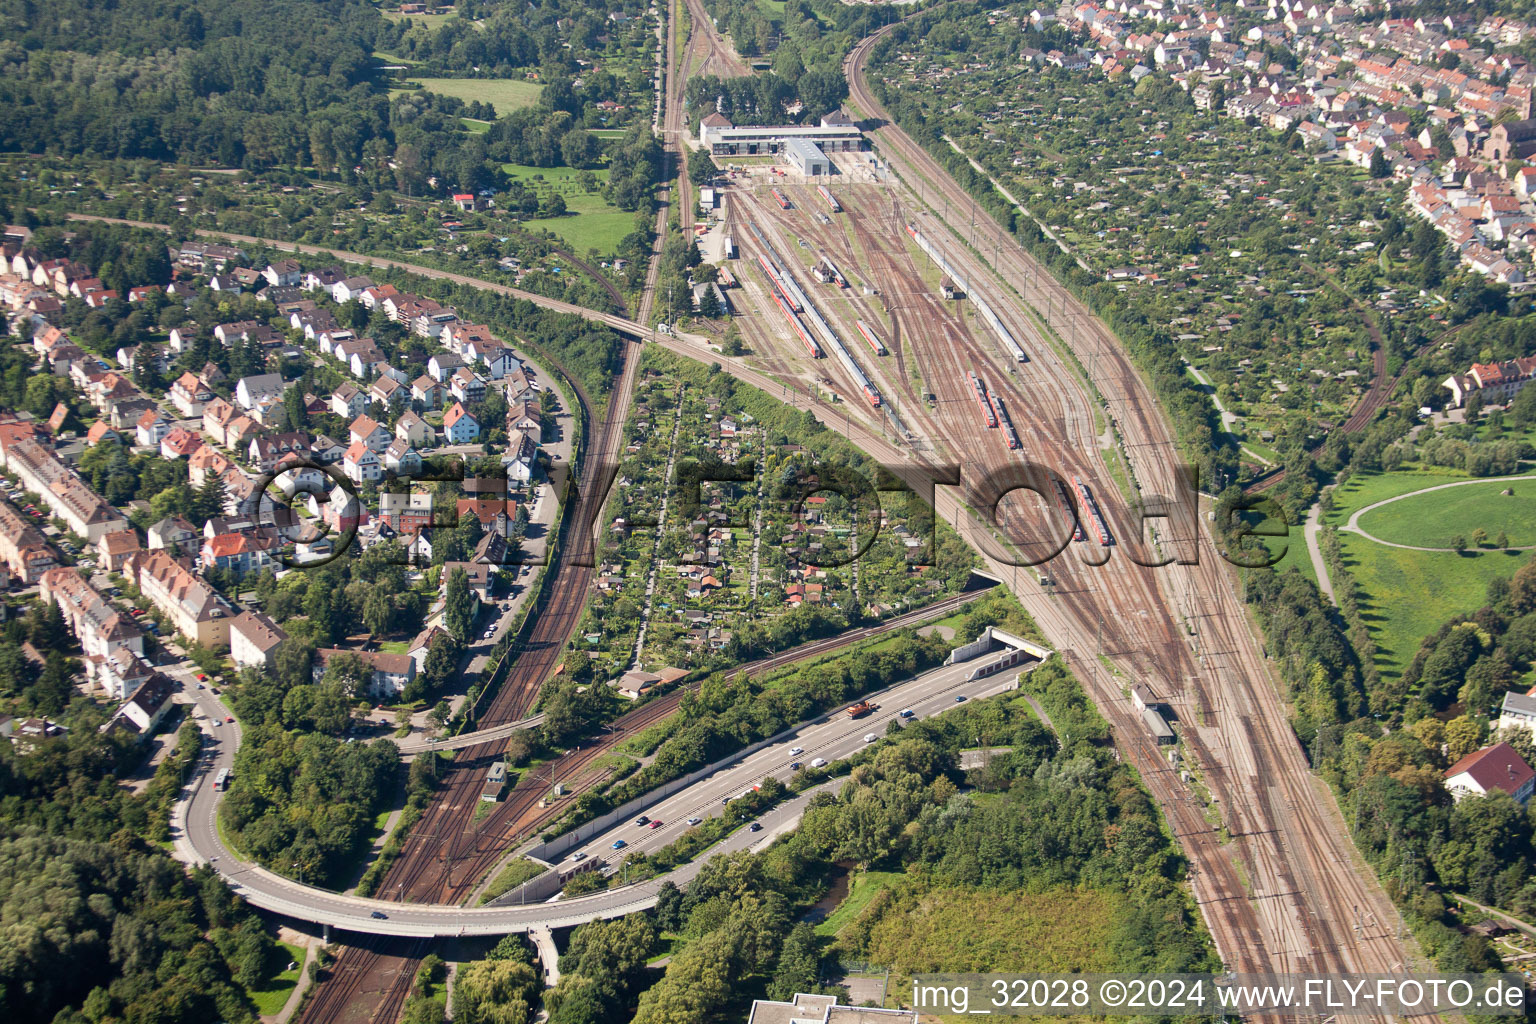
(196, 610)
(83, 511)
(96, 623)
(22, 547)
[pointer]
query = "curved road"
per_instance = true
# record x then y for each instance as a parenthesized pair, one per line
(1353, 526)
(194, 824)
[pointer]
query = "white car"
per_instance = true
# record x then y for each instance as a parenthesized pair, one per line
(796, 750)
(870, 737)
(820, 762)
(578, 856)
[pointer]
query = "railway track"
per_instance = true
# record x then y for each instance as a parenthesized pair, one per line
(1287, 892)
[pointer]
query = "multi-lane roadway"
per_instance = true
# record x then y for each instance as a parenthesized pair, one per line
(197, 840)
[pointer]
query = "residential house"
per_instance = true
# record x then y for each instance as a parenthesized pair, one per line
(459, 426)
(174, 534)
(250, 391)
(254, 639)
(264, 452)
(189, 393)
(180, 443)
(410, 427)
(151, 428)
(1483, 771)
(361, 464)
(114, 549)
(239, 553)
(207, 463)
(401, 459)
(348, 402)
(23, 548)
(391, 673)
(370, 432)
(467, 386)
(142, 713)
(97, 624)
(283, 274)
(428, 392)
(443, 365)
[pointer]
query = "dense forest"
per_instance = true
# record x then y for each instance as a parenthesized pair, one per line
(242, 84)
(100, 924)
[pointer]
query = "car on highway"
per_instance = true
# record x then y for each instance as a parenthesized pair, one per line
(578, 856)
(642, 820)
(378, 915)
(655, 823)
(870, 737)
(959, 698)
(904, 713)
(820, 762)
(694, 821)
(756, 826)
(726, 799)
(794, 766)
(618, 844)
(796, 750)
(217, 723)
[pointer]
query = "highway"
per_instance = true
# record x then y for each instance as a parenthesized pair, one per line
(197, 841)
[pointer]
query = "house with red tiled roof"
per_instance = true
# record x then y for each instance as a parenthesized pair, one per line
(180, 443)
(459, 425)
(1499, 767)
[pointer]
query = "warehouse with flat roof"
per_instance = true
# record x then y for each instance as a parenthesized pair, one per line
(806, 157)
(835, 134)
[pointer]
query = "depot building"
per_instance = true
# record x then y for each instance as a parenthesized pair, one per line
(835, 134)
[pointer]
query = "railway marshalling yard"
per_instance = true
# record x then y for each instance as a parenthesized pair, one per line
(1272, 870)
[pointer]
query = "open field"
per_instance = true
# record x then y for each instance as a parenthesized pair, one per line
(1408, 594)
(1432, 519)
(504, 94)
(965, 930)
(591, 223)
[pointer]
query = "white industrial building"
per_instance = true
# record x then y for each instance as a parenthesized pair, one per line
(806, 157)
(835, 134)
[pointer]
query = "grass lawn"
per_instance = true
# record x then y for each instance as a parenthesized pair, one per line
(506, 95)
(863, 887)
(1409, 594)
(395, 646)
(592, 223)
(475, 127)
(510, 877)
(1431, 520)
(269, 999)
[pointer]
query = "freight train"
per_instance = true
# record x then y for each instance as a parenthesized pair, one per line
(980, 391)
(1006, 336)
(871, 337)
(1093, 512)
(1006, 422)
(832, 202)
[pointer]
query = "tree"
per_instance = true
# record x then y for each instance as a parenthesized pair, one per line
(1379, 167)
(440, 714)
(1462, 736)
(378, 611)
(1479, 537)
(459, 605)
